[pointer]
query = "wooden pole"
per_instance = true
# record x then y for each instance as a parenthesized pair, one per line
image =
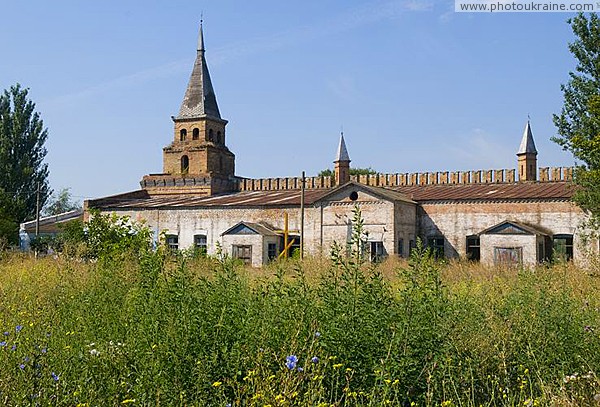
(302, 215)
(37, 211)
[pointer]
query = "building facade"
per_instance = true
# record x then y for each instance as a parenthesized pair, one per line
(494, 216)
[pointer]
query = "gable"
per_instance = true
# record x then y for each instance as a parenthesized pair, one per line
(241, 229)
(506, 229)
(355, 192)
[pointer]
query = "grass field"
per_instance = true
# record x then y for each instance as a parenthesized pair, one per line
(153, 328)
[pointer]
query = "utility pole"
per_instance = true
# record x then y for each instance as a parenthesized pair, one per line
(37, 211)
(302, 215)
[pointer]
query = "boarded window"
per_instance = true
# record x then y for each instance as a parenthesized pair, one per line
(195, 134)
(400, 247)
(473, 248)
(508, 255)
(182, 134)
(563, 247)
(211, 136)
(242, 252)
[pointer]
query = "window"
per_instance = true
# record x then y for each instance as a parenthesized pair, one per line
(411, 246)
(210, 135)
(219, 139)
(200, 243)
(182, 134)
(473, 248)
(272, 251)
(195, 134)
(242, 252)
(563, 247)
(508, 255)
(377, 252)
(172, 242)
(185, 164)
(400, 247)
(436, 244)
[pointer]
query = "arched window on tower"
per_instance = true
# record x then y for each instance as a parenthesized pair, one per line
(185, 164)
(182, 134)
(221, 163)
(195, 134)
(219, 138)
(210, 135)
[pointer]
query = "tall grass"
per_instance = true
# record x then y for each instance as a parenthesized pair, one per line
(158, 329)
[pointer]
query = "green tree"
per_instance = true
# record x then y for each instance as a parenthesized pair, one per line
(578, 124)
(353, 171)
(61, 202)
(22, 153)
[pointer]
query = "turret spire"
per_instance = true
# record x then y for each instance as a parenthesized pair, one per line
(527, 156)
(199, 100)
(342, 153)
(342, 163)
(527, 143)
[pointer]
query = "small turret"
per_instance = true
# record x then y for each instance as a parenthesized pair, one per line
(342, 163)
(527, 156)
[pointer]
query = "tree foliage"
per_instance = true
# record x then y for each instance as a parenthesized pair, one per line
(61, 202)
(578, 124)
(22, 153)
(353, 171)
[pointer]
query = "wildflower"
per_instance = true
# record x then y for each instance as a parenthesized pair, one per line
(44, 350)
(317, 334)
(290, 361)
(21, 366)
(26, 359)
(2, 344)
(337, 365)
(228, 405)
(6, 333)
(127, 401)
(55, 377)
(18, 328)
(94, 352)
(315, 359)
(13, 348)
(216, 384)
(300, 369)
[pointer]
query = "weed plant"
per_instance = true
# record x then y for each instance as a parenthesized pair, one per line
(127, 325)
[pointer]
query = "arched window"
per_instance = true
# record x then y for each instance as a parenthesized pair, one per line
(182, 134)
(185, 164)
(195, 134)
(210, 135)
(219, 139)
(221, 163)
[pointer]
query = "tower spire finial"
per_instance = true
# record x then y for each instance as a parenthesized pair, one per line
(201, 35)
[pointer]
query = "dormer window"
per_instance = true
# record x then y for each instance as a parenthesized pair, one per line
(195, 134)
(182, 134)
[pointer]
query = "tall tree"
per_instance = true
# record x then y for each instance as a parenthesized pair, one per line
(60, 202)
(22, 153)
(578, 124)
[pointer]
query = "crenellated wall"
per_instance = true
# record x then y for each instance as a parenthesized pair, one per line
(546, 174)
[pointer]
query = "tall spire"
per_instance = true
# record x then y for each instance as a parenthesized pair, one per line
(527, 143)
(199, 100)
(342, 153)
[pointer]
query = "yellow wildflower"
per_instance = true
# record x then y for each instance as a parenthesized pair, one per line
(217, 384)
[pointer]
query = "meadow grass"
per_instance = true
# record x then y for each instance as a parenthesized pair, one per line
(153, 328)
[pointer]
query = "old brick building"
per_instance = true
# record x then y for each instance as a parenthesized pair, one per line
(494, 216)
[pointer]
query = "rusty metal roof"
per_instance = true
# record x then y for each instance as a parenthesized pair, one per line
(421, 194)
(489, 192)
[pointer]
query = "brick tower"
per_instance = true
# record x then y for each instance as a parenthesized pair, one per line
(527, 156)
(198, 160)
(342, 164)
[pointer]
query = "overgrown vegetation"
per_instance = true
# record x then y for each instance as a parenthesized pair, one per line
(150, 327)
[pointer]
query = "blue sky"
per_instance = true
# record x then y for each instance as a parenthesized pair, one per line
(415, 86)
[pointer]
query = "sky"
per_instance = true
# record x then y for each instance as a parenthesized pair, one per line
(414, 86)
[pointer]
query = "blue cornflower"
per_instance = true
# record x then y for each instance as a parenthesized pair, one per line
(13, 348)
(315, 359)
(317, 334)
(6, 333)
(300, 369)
(55, 377)
(18, 328)
(26, 359)
(290, 361)
(228, 405)
(44, 350)
(21, 366)
(2, 344)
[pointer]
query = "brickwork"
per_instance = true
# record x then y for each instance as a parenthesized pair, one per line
(407, 179)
